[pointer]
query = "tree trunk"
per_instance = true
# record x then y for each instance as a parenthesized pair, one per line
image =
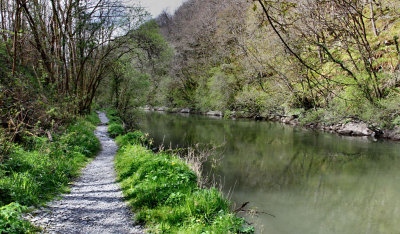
(373, 18)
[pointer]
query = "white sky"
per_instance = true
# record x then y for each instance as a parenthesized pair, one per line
(155, 7)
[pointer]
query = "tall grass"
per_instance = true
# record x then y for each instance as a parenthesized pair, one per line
(163, 191)
(38, 170)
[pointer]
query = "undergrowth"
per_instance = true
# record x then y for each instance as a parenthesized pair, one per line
(115, 127)
(163, 192)
(39, 169)
(11, 221)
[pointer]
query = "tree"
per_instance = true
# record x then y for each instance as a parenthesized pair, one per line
(74, 40)
(336, 31)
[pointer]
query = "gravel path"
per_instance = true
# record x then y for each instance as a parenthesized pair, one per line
(95, 203)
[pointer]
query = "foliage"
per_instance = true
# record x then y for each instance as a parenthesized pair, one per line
(38, 171)
(163, 191)
(133, 138)
(11, 221)
(115, 129)
(139, 77)
(312, 117)
(93, 118)
(64, 39)
(236, 55)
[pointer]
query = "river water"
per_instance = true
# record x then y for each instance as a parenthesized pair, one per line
(307, 181)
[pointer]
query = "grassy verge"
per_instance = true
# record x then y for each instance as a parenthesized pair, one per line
(162, 190)
(115, 127)
(40, 169)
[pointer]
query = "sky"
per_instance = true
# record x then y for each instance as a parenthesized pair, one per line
(155, 7)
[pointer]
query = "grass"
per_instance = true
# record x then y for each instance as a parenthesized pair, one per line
(11, 221)
(163, 192)
(115, 127)
(39, 169)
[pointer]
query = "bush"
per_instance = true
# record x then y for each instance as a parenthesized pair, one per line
(112, 115)
(93, 118)
(115, 129)
(312, 116)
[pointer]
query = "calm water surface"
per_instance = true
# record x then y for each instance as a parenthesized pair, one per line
(312, 182)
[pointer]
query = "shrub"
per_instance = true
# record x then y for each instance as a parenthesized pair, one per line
(115, 129)
(312, 116)
(112, 115)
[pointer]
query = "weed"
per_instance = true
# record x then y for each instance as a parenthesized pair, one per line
(11, 221)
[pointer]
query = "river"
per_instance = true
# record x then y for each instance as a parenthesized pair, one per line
(307, 181)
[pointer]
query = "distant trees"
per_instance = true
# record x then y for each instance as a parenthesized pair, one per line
(137, 77)
(194, 31)
(314, 52)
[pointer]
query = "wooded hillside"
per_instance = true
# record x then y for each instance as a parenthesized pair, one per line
(339, 57)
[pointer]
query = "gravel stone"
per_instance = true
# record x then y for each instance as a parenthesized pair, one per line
(95, 203)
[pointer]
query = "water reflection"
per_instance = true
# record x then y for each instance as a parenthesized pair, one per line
(313, 182)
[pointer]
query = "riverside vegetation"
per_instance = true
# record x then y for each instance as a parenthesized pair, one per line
(163, 190)
(329, 62)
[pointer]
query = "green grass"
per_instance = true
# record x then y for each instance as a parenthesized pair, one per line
(163, 192)
(11, 221)
(115, 127)
(39, 169)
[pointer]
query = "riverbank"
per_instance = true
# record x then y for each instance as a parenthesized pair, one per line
(38, 169)
(163, 190)
(343, 125)
(311, 181)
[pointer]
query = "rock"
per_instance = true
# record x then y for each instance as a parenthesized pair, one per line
(258, 117)
(163, 108)
(36, 212)
(214, 113)
(392, 134)
(287, 119)
(185, 110)
(291, 120)
(355, 129)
